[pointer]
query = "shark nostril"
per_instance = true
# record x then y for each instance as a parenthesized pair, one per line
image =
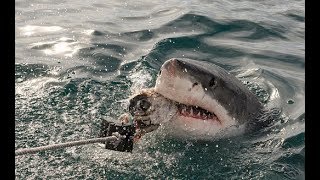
(194, 84)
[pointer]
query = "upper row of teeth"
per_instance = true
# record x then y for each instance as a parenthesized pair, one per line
(183, 110)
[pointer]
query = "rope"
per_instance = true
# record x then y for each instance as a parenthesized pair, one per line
(63, 145)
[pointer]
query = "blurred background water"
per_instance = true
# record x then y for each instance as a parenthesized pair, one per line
(77, 62)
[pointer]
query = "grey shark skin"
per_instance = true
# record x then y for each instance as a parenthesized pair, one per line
(210, 87)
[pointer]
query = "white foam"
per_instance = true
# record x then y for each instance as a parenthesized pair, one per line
(139, 80)
(200, 130)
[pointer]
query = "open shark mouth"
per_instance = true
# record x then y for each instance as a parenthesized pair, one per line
(151, 108)
(196, 112)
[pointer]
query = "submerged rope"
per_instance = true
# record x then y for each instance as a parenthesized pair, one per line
(63, 145)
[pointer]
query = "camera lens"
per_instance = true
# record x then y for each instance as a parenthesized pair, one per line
(144, 105)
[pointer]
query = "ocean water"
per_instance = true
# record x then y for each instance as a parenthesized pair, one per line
(77, 62)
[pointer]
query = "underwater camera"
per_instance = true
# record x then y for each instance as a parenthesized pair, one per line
(125, 131)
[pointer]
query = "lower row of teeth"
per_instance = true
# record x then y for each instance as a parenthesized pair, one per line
(200, 115)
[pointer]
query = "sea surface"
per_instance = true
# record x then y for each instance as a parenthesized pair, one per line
(77, 63)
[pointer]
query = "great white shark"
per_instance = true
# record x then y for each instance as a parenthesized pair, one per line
(196, 99)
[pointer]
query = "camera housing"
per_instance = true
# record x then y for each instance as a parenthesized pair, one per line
(126, 131)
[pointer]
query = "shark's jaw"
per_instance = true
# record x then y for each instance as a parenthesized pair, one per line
(150, 104)
(196, 112)
(150, 107)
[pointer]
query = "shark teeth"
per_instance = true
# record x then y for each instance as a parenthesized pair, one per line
(195, 112)
(183, 110)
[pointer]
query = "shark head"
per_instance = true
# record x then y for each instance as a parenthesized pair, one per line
(198, 98)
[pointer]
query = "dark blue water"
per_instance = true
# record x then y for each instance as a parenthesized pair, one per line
(77, 62)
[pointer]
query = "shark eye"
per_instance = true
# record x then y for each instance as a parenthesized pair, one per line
(159, 72)
(194, 84)
(144, 104)
(212, 82)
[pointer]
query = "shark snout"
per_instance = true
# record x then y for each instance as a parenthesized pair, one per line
(172, 67)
